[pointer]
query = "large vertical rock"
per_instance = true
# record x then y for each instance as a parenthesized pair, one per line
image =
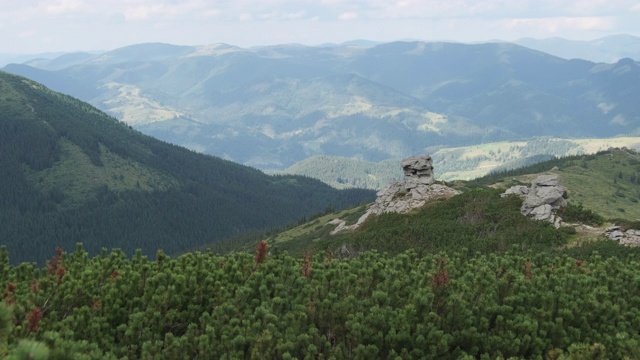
(417, 188)
(542, 199)
(419, 169)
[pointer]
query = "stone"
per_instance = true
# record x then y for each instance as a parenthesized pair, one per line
(546, 180)
(419, 167)
(519, 190)
(631, 237)
(542, 195)
(542, 199)
(542, 212)
(416, 189)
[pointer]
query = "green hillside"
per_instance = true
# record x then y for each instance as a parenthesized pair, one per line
(73, 174)
(453, 163)
(466, 277)
(606, 184)
(341, 172)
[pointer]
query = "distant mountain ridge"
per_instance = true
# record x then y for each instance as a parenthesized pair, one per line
(71, 173)
(454, 163)
(608, 49)
(273, 106)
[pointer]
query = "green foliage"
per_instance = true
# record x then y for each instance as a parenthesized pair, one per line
(341, 172)
(30, 350)
(577, 213)
(525, 305)
(479, 221)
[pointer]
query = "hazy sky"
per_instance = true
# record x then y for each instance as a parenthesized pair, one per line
(36, 26)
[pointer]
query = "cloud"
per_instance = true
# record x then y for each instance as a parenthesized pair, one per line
(141, 12)
(64, 6)
(557, 24)
(28, 33)
(277, 15)
(166, 10)
(350, 15)
(619, 120)
(605, 107)
(261, 22)
(245, 17)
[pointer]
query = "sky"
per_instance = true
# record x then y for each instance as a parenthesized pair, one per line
(39, 26)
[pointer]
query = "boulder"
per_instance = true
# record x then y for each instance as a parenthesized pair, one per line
(417, 188)
(542, 199)
(546, 180)
(419, 168)
(519, 190)
(630, 237)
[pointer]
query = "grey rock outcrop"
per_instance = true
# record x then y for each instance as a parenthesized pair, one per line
(630, 237)
(542, 199)
(417, 188)
(419, 169)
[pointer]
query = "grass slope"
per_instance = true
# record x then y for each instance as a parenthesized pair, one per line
(605, 184)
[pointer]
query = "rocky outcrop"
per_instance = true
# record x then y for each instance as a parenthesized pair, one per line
(542, 199)
(630, 237)
(417, 188)
(404, 196)
(419, 169)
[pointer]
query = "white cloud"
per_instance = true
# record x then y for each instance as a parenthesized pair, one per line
(28, 34)
(64, 6)
(557, 24)
(76, 24)
(276, 15)
(619, 120)
(141, 12)
(351, 15)
(605, 107)
(245, 17)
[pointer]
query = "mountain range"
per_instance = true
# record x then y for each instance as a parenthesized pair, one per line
(270, 107)
(608, 49)
(71, 173)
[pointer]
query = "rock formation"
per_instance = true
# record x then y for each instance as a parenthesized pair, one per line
(417, 188)
(542, 199)
(419, 168)
(630, 237)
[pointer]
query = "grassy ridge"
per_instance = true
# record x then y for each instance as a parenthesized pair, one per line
(600, 186)
(607, 182)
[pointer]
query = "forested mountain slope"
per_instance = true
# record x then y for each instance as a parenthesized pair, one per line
(273, 106)
(71, 173)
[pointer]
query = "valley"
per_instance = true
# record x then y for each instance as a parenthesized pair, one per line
(163, 201)
(275, 106)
